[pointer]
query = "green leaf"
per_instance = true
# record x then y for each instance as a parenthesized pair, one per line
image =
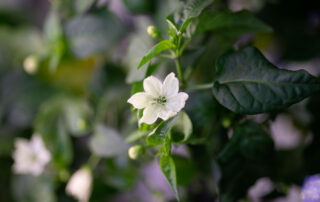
(180, 20)
(155, 50)
(186, 170)
(107, 142)
(226, 21)
(182, 128)
(247, 157)
(192, 10)
(158, 135)
(248, 83)
(169, 170)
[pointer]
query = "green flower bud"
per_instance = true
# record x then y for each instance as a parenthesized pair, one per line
(226, 122)
(30, 64)
(153, 32)
(135, 152)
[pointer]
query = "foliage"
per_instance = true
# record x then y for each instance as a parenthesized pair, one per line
(68, 78)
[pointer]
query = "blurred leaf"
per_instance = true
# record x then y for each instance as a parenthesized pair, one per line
(56, 120)
(247, 157)
(54, 35)
(91, 34)
(106, 142)
(139, 43)
(139, 6)
(82, 5)
(247, 83)
(136, 135)
(71, 74)
(27, 188)
(155, 50)
(18, 43)
(169, 170)
(226, 21)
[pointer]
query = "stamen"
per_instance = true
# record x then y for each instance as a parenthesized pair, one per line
(160, 100)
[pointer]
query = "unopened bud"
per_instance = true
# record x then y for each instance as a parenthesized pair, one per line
(30, 64)
(135, 152)
(226, 122)
(153, 32)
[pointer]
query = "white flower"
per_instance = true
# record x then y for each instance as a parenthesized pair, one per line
(80, 184)
(30, 157)
(159, 99)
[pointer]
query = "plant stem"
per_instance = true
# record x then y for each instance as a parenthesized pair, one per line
(179, 70)
(201, 87)
(93, 161)
(177, 61)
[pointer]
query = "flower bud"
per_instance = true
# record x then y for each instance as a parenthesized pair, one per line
(30, 64)
(135, 152)
(226, 122)
(153, 32)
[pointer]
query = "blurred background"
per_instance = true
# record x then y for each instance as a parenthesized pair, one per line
(67, 69)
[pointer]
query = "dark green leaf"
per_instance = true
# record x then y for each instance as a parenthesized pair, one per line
(186, 170)
(248, 83)
(247, 157)
(227, 21)
(155, 50)
(169, 170)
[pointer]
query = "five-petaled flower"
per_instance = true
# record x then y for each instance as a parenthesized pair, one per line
(159, 99)
(30, 157)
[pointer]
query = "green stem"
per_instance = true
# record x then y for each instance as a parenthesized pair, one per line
(201, 87)
(93, 161)
(179, 70)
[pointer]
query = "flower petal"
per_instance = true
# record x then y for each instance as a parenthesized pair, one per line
(176, 103)
(140, 100)
(166, 114)
(150, 114)
(170, 86)
(152, 86)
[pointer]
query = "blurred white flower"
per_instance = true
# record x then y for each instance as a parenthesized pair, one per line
(30, 157)
(80, 184)
(159, 99)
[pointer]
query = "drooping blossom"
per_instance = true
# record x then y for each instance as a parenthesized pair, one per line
(80, 184)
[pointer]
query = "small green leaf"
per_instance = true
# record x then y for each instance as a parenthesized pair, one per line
(248, 83)
(227, 21)
(182, 128)
(169, 170)
(155, 50)
(157, 136)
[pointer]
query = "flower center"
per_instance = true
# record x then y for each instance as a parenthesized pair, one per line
(160, 100)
